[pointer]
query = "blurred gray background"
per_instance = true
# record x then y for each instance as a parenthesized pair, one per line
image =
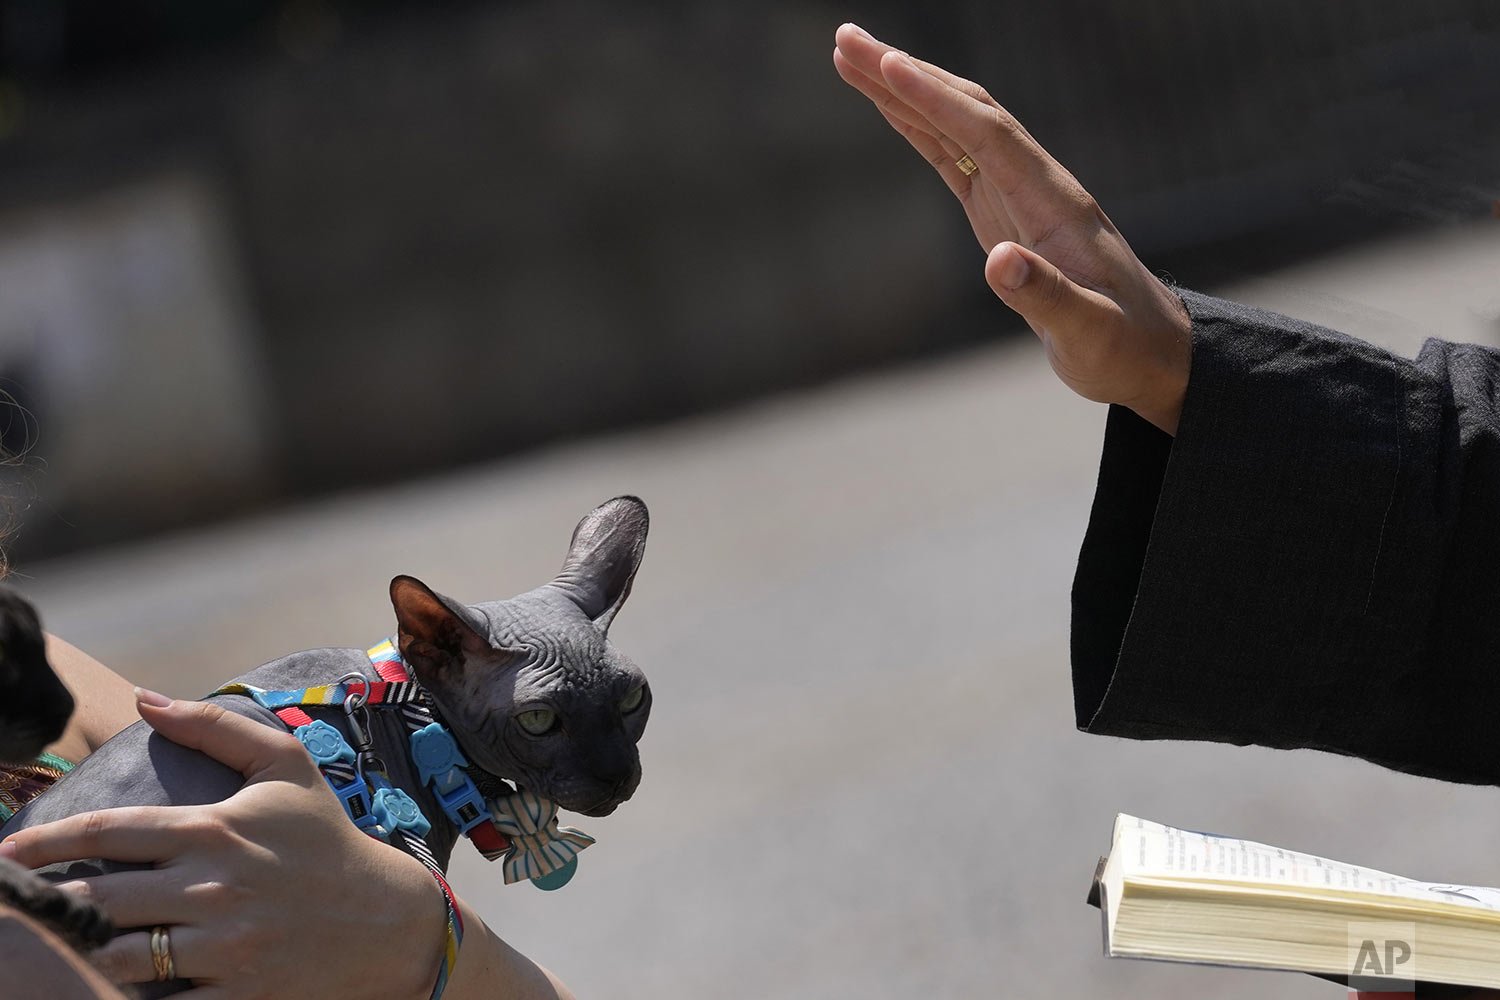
(298, 296)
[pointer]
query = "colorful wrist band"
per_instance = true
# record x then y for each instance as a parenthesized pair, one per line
(455, 936)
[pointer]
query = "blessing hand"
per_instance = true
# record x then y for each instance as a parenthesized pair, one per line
(1112, 332)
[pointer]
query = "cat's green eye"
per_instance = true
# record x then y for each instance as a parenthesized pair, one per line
(537, 721)
(632, 701)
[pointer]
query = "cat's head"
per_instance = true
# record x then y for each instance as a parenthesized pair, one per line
(34, 704)
(532, 687)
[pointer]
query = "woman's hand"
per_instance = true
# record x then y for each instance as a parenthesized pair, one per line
(1113, 333)
(272, 883)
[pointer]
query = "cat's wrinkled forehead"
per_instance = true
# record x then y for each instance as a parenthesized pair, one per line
(545, 621)
(565, 648)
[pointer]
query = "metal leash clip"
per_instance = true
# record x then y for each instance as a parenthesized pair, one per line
(358, 717)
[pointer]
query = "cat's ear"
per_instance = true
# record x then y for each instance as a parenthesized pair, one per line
(434, 633)
(603, 557)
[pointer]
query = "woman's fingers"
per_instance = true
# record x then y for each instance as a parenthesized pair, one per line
(127, 959)
(257, 751)
(146, 898)
(141, 834)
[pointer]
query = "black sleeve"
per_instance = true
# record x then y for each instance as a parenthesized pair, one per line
(1313, 561)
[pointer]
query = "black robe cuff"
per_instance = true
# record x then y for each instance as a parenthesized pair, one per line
(1308, 562)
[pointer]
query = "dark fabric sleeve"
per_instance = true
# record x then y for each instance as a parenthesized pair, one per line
(1313, 561)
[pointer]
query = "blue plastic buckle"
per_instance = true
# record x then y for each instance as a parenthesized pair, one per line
(396, 810)
(355, 798)
(326, 745)
(439, 765)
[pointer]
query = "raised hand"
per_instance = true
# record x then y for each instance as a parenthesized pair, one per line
(1113, 333)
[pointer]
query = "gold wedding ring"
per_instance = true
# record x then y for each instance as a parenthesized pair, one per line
(967, 165)
(161, 954)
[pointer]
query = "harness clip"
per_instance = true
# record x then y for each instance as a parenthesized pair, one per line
(395, 810)
(355, 798)
(324, 743)
(327, 746)
(440, 766)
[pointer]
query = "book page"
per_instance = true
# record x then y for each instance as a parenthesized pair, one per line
(1153, 849)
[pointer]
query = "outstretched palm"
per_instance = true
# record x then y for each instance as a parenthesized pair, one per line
(1019, 193)
(1112, 332)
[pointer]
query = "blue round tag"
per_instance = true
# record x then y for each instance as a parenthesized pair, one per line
(558, 878)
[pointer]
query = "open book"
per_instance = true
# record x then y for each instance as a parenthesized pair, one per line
(1195, 897)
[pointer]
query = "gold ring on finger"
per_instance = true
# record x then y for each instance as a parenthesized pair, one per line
(967, 165)
(161, 954)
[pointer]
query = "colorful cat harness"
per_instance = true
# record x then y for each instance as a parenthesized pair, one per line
(520, 827)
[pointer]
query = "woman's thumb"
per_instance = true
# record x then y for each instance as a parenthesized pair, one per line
(1029, 284)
